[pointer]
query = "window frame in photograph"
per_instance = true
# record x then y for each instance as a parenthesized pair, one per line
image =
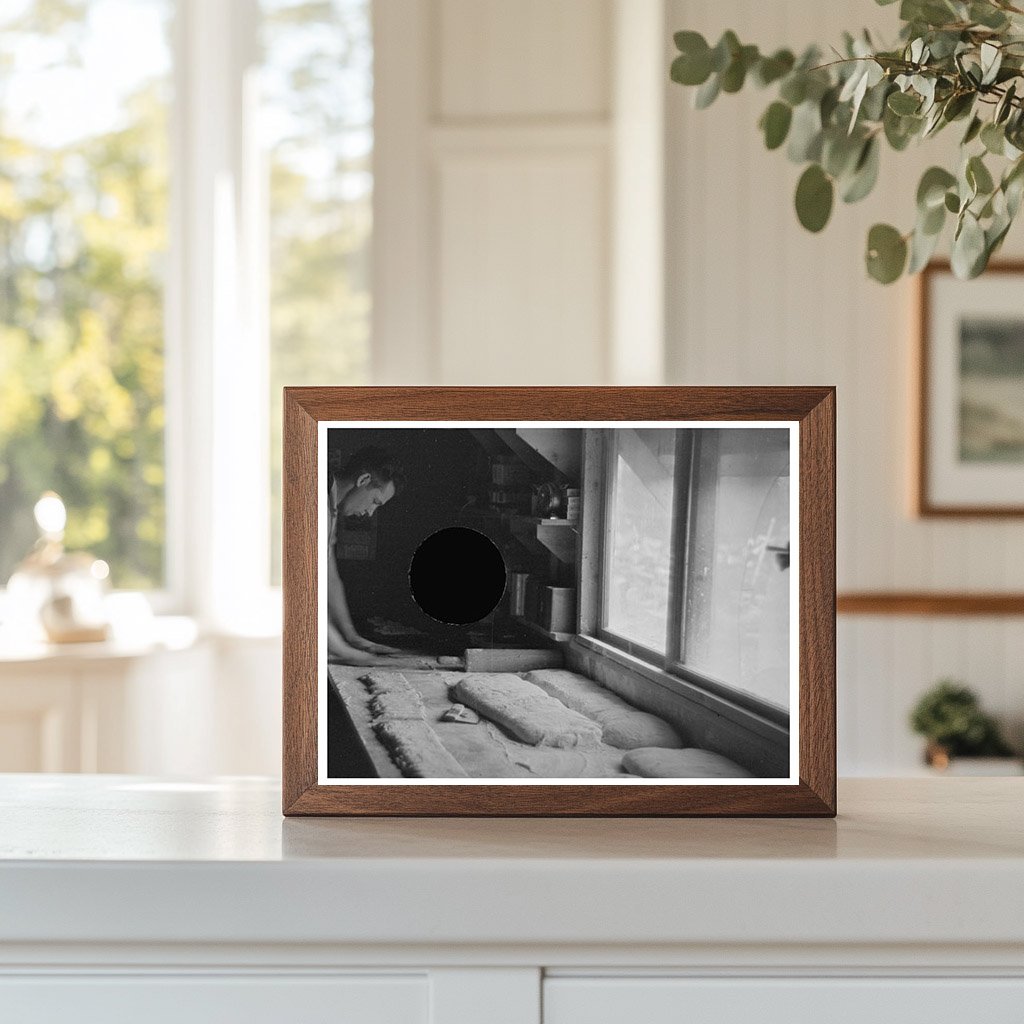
(670, 666)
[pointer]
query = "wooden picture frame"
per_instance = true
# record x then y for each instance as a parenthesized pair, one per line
(967, 464)
(808, 413)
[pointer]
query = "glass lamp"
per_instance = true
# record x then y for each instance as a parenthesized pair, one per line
(55, 595)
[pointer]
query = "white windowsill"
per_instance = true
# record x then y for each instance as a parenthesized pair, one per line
(161, 633)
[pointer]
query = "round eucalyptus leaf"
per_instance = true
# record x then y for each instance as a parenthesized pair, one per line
(952, 202)
(1013, 187)
(978, 176)
(865, 174)
(987, 15)
(973, 130)
(1005, 106)
(707, 93)
(735, 74)
(874, 103)
(794, 89)
(805, 133)
(903, 103)
(725, 50)
(887, 253)
(693, 65)
(931, 221)
(840, 152)
(775, 123)
(771, 69)
(922, 248)
(689, 42)
(931, 191)
(968, 255)
(898, 130)
(993, 138)
(814, 194)
(958, 106)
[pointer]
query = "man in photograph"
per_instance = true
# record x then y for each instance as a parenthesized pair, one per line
(367, 481)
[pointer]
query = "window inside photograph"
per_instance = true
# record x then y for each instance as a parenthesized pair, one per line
(736, 616)
(83, 239)
(694, 573)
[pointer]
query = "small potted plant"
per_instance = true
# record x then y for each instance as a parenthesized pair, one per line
(950, 717)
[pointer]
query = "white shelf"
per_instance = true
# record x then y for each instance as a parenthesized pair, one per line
(126, 859)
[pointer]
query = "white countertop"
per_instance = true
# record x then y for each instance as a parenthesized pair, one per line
(123, 859)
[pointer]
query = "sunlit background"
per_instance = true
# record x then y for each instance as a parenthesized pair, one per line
(86, 106)
(202, 201)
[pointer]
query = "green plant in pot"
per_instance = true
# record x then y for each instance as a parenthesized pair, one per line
(949, 716)
(957, 63)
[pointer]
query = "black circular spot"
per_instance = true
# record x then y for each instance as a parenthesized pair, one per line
(457, 575)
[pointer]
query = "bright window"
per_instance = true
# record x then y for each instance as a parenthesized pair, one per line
(695, 568)
(185, 225)
(83, 237)
(317, 119)
(736, 617)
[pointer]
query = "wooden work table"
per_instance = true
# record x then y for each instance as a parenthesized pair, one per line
(115, 889)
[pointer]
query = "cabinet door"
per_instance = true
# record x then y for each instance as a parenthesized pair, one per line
(205, 999)
(782, 1000)
(41, 720)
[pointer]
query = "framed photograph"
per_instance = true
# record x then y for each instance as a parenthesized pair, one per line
(970, 445)
(559, 601)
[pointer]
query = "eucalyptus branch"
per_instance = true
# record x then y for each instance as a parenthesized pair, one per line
(833, 117)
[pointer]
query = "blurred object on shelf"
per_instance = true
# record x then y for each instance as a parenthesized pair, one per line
(572, 504)
(517, 593)
(509, 489)
(54, 594)
(558, 613)
(950, 717)
(549, 501)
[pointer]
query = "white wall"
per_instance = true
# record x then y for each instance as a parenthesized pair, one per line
(498, 203)
(510, 139)
(754, 299)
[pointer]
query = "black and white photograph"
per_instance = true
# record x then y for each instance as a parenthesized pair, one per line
(570, 602)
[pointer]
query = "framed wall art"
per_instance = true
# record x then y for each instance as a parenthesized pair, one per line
(970, 444)
(559, 601)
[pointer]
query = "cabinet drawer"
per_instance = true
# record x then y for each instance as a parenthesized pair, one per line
(205, 999)
(660, 1000)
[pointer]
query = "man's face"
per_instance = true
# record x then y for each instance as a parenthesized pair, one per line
(366, 496)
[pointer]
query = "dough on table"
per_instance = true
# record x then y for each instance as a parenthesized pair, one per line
(622, 725)
(692, 763)
(525, 710)
(393, 698)
(398, 716)
(415, 748)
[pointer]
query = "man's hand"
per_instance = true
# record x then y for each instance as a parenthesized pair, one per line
(350, 656)
(371, 648)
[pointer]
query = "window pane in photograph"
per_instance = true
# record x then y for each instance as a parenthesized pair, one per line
(317, 126)
(641, 468)
(83, 237)
(736, 627)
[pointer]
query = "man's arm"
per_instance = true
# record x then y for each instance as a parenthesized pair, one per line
(344, 642)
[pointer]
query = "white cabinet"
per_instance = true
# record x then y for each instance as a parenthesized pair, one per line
(823, 1000)
(176, 704)
(98, 708)
(127, 899)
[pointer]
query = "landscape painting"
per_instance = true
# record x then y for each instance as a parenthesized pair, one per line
(991, 390)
